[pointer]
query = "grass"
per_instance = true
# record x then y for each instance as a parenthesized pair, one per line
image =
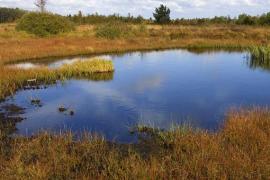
(84, 68)
(260, 57)
(13, 79)
(16, 46)
(261, 52)
(240, 150)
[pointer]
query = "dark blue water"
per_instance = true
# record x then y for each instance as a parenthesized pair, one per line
(154, 88)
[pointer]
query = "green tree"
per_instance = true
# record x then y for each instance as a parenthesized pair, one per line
(264, 19)
(162, 14)
(244, 19)
(10, 15)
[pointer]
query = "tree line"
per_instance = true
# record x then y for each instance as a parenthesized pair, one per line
(96, 18)
(242, 19)
(10, 14)
(161, 16)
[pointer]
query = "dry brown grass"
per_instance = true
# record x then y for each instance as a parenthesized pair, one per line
(18, 46)
(241, 150)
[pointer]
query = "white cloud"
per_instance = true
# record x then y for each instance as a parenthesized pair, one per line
(179, 8)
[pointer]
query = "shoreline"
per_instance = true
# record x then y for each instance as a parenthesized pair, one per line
(143, 50)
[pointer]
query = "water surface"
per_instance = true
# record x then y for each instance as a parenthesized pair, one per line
(155, 88)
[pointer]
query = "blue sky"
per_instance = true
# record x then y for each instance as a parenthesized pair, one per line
(179, 8)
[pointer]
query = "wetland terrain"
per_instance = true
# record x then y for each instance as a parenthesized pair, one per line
(159, 101)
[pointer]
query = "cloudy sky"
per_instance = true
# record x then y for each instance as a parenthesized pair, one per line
(179, 8)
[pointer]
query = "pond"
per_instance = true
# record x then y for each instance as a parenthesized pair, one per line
(158, 88)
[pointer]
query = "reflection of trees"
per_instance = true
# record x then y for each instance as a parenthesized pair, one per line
(9, 117)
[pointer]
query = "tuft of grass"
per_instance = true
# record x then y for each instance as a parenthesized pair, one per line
(260, 57)
(87, 67)
(260, 52)
(240, 150)
(13, 79)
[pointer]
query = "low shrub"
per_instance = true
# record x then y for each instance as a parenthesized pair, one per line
(44, 24)
(113, 30)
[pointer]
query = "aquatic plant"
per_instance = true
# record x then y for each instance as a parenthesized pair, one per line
(36, 102)
(260, 52)
(260, 57)
(62, 109)
(71, 113)
(86, 67)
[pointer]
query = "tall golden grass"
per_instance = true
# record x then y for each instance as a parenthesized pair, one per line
(241, 150)
(12, 79)
(84, 68)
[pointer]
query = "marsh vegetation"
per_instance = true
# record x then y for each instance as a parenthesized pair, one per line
(239, 149)
(13, 79)
(260, 57)
(86, 40)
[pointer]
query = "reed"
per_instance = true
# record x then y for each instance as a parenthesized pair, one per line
(259, 57)
(240, 150)
(260, 52)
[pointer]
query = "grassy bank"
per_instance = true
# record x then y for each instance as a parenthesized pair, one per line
(13, 79)
(240, 150)
(15, 46)
(18, 45)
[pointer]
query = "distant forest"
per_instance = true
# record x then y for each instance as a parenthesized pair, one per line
(11, 15)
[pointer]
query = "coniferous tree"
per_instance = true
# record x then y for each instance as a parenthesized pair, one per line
(162, 14)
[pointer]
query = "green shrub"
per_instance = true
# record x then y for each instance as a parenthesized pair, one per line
(44, 24)
(244, 19)
(113, 30)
